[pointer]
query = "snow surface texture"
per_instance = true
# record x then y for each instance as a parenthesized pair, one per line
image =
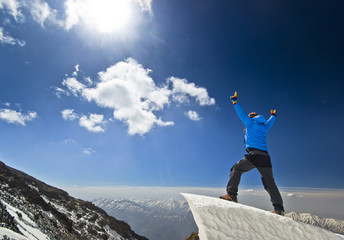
(8, 234)
(220, 219)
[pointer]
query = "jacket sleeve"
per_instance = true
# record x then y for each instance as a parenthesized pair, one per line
(271, 121)
(242, 115)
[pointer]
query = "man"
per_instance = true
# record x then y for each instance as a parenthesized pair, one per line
(257, 157)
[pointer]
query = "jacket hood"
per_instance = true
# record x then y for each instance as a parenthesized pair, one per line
(259, 119)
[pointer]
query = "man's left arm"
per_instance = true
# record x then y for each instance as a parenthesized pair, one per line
(240, 111)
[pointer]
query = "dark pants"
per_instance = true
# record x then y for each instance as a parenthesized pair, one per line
(260, 160)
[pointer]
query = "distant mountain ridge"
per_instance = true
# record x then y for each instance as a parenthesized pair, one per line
(333, 225)
(32, 208)
(151, 217)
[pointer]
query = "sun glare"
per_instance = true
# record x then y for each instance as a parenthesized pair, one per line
(109, 16)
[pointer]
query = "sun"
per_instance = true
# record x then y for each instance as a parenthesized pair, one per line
(109, 16)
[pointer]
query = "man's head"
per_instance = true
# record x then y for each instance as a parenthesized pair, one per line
(253, 114)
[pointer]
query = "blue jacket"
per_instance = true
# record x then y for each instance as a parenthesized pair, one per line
(256, 128)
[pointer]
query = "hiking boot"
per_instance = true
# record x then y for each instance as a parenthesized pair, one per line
(229, 198)
(279, 212)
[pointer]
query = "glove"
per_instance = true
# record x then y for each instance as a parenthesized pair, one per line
(234, 98)
(273, 113)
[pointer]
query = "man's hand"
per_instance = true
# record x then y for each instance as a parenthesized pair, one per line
(273, 113)
(234, 98)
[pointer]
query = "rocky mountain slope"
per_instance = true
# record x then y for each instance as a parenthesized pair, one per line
(32, 208)
(193, 236)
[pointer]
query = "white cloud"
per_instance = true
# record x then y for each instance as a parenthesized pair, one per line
(88, 80)
(73, 11)
(40, 11)
(59, 92)
(73, 85)
(127, 88)
(7, 104)
(7, 39)
(13, 6)
(12, 116)
(93, 122)
(159, 122)
(89, 151)
(180, 98)
(193, 115)
(75, 73)
(146, 5)
(182, 89)
(69, 115)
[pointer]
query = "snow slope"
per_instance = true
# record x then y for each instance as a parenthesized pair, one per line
(9, 234)
(29, 228)
(219, 219)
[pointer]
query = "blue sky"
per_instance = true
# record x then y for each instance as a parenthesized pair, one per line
(141, 97)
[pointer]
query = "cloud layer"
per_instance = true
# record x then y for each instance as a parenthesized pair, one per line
(40, 11)
(193, 115)
(15, 117)
(93, 122)
(7, 39)
(127, 88)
